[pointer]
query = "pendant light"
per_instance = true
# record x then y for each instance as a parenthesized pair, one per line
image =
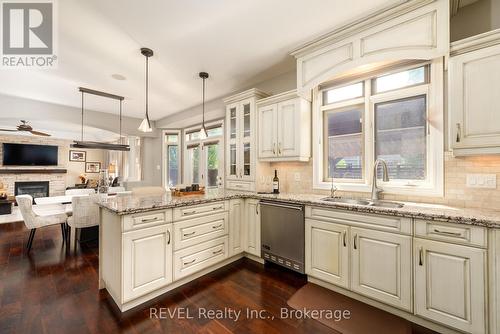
(203, 131)
(146, 124)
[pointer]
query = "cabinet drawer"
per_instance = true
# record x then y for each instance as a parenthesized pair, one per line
(378, 222)
(190, 260)
(240, 185)
(194, 231)
(193, 211)
(462, 234)
(144, 220)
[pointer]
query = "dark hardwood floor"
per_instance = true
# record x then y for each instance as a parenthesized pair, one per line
(52, 291)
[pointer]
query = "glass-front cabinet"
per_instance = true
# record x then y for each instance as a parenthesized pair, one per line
(241, 134)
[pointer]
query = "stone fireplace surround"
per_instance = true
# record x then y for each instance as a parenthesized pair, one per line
(57, 181)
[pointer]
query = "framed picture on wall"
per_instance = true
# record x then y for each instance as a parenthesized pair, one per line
(78, 156)
(92, 167)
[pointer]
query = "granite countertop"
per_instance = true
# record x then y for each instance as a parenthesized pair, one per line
(479, 217)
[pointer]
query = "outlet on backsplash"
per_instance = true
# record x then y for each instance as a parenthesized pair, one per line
(485, 181)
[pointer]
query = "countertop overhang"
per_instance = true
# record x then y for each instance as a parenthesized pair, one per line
(126, 205)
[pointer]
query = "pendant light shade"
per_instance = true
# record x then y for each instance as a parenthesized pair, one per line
(203, 130)
(146, 124)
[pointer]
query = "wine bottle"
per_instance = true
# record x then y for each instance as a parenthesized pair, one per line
(276, 183)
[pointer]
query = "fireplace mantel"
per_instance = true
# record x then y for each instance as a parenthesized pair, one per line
(32, 170)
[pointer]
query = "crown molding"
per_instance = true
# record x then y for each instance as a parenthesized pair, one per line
(360, 25)
(474, 43)
(247, 94)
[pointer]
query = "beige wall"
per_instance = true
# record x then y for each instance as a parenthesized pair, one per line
(456, 194)
(474, 19)
(74, 169)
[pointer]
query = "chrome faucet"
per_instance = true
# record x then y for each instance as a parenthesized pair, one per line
(376, 190)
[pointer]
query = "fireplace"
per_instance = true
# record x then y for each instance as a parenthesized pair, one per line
(35, 189)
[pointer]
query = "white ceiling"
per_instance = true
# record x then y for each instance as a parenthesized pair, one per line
(59, 129)
(239, 42)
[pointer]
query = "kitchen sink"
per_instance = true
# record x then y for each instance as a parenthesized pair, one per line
(380, 204)
(346, 201)
(389, 205)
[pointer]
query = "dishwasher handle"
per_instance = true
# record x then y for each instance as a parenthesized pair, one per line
(281, 205)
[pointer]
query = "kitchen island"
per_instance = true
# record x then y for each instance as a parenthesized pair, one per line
(432, 264)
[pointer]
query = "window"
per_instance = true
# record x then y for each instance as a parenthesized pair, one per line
(344, 143)
(172, 159)
(386, 116)
(129, 162)
(204, 158)
(400, 137)
(343, 93)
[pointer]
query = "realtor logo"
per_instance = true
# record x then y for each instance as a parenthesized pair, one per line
(28, 34)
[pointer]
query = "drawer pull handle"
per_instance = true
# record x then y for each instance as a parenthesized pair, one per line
(217, 226)
(217, 252)
(149, 220)
(459, 133)
(189, 234)
(187, 213)
(217, 207)
(274, 148)
(457, 234)
(345, 241)
(355, 241)
(279, 148)
(168, 242)
(421, 257)
(192, 261)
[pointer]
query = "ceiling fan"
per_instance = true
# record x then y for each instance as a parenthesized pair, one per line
(24, 126)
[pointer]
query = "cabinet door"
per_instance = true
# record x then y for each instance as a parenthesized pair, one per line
(475, 114)
(267, 131)
(382, 266)
(327, 252)
(246, 165)
(252, 221)
(288, 125)
(236, 235)
(449, 284)
(147, 260)
(232, 142)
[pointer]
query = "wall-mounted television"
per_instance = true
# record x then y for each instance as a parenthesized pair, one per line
(29, 155)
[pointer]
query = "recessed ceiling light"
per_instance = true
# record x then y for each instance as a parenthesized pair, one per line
(118, 77)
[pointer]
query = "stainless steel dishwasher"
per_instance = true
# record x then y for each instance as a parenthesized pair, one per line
(282, 234)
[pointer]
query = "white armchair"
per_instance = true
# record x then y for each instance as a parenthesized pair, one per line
(85, 214)
(83, 191)
(34, 220)
(115, 190)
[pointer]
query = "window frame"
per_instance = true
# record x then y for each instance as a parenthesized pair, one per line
(165, 145)
(433, 90)
(200, 143)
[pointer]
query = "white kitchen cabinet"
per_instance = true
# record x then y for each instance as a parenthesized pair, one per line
(450, 284)
(241, 138)
(147, 260)
(267, 131)
(381, 266)
(474, 78)
(327, 252)
(284, 128)
(252, 222)
(236, 226)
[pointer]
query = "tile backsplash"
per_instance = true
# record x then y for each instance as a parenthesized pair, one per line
(455, 174)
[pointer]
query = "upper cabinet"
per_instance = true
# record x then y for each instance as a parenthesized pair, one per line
(284, 128)
(241, 133)
(407, 30)
(474, 78)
